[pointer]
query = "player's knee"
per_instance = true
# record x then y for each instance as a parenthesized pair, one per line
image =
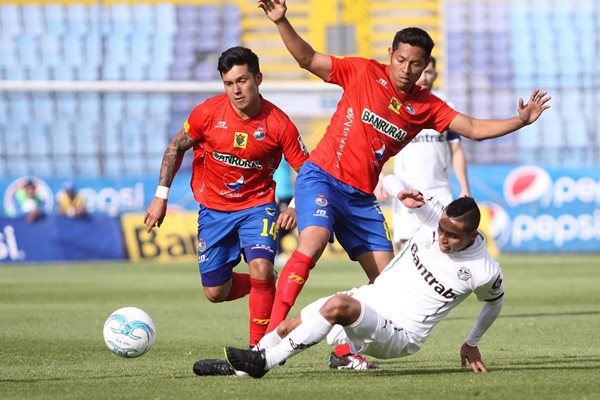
(341, 309)
(215, 294)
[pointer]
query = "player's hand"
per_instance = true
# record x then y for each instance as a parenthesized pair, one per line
(286, 219)
(379, 192)
(530, 112)
(473, 357)
(411, 198)
(155, 214)
(274, 9)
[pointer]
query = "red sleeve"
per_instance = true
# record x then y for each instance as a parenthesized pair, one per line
(441, 113)
(193, 125)
(345, 69)
(294, 150)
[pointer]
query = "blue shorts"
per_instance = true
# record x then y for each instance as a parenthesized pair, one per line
(224, 236)
(354, 216)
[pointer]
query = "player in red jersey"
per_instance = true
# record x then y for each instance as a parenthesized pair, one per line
(380, 111)
(238, 140)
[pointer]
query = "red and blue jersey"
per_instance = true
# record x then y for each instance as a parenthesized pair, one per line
(234, 158)
(373, 122)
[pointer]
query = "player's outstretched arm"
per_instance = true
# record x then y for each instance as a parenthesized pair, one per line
(317, 63)
(480, 129)
(411, 198)
(471, 355)
(170, 165)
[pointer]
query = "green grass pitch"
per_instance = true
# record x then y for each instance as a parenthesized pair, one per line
(545, 345)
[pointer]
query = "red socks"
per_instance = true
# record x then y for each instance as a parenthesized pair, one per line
(342, 350)
(260, 303)
(290, 284)
(240, 286)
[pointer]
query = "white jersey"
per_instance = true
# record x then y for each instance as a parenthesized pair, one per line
(425, 162)
(422, 284)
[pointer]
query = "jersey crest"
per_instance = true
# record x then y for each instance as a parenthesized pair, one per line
(240, 140)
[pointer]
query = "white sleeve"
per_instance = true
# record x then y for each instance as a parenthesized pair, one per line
(487, 316)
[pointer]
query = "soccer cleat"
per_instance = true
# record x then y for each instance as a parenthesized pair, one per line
(350, 361)
(212, 367)
(250, 361)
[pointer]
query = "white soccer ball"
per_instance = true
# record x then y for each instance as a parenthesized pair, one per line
(129, 332)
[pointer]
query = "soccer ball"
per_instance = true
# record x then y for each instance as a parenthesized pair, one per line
(129, 332)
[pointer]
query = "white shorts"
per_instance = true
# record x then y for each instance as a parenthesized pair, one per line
(371, 334)
(404, 221)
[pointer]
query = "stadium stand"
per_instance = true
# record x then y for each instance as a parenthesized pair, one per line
(490, 51)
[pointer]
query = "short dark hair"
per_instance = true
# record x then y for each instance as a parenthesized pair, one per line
(466, 210)
(415, 37)
(238, 56)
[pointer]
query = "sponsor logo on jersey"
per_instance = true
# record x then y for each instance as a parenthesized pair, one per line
(186, 126)
(201, 245)
(348, 122)
(409, 109)
(395, 105)
(382, 82)
(321, 201)
(270, 211)
(259, 321)
(429, 278)
(234, 180)
(382, 125)
(259, 133)
(378, 148)
(240, 140)
(234, 161)
(320, 213)
(497, 283)
(221, 125)
(302, 146)
(464, 274)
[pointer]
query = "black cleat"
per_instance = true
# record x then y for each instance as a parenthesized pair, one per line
(212, 367)
(250, 361)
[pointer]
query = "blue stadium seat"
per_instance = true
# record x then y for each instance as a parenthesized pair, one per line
(14, 73)
(38, 73)
(43, 108)
(66, 104)
(141, 45)
(158, 72)
(120, 18)
(50, 49)
(55, 17)
(143, 19)
(33, 19)
(113, 166)
(111, 72)
(19, 107)
(136, 106)
(10, 19)
(72, 45)
(90, 107)
(132, 136)
(8, 51)
(135, 72)
(62, 73)
(38, 144)
(62, 137)
(86, 137)
(117, 48)
(87, 72)
(63, 166)
(87, 166)
(27, 50)
(93, 49)
(166, 18)
(163, 50)
(77, 18)
(15, 138)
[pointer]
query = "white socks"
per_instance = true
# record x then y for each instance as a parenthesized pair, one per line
(308, 333)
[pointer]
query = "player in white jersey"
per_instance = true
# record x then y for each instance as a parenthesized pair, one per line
(425, 164)
(442, 264)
